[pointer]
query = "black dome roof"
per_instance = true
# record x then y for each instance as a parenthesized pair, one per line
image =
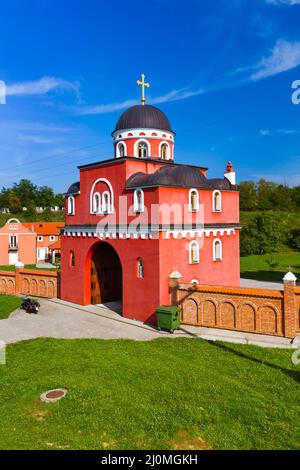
(179, 176)
(143, 116)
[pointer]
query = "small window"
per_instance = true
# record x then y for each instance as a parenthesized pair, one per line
(194, 253)
(52, 238)
(40, 238)
(72, 259)
(217, 250)
(138, 200)
(13, 242)
(96, 203)
(143, 150)
(121, 150)
(71, 205)
(164, 152)
(106, 202)
(217, 201)
(194, 200)
(140, 268)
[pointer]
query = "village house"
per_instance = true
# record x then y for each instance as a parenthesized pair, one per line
(17, 243)
(47, 239)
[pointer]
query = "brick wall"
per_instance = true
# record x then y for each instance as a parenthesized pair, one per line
(30, 281)
(264, 311)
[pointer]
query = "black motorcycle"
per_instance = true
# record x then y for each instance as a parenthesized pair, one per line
(30, 305)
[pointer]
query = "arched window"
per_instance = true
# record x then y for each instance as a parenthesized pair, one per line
(217, 250)
(140, 268)
(143, 150)
(193, 200)
(71, 205)
(106, 202)
(138, 200)
(164, 151)
(194, 252)
(72, 259)
(121, 150)
(96, 203)
(217, 201)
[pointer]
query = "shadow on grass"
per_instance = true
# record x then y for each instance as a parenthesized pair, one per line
(269, 276)
(293, 374)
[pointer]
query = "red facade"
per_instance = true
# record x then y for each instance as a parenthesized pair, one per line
(159, 217)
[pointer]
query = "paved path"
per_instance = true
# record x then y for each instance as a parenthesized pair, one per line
(261, 284)
(60, 319)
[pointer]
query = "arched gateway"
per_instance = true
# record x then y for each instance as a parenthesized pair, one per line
(106, 274)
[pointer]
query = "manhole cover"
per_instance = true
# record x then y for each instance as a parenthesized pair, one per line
(53, 395)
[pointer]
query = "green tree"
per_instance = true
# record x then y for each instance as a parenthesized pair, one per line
(25, 191)
(248, 196)
(262, 235)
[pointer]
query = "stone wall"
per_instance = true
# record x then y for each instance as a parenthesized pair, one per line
(33, 282)
(264, 311)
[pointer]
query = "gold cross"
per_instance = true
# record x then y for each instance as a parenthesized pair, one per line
(143, 84)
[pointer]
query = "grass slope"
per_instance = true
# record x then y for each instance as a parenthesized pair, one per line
(8, 303)
(167, 393)
(256, 266)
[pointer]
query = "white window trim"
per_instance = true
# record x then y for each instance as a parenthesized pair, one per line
(217, 240)
(40, 238)
(193, 242)
(136, 147)
(190, 200)
(95, 210)
(213, 201)
(11, 236)
(108, 211)
(136, 207)
(52, 238)
(102, 180)
(118, 149)
(70, 211)
(164, 142)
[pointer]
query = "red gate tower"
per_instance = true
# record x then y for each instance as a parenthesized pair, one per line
(133, 220)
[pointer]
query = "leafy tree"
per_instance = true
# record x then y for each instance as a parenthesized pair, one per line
(262, 235)
(25, 191)
(294, 238)
(248, 196)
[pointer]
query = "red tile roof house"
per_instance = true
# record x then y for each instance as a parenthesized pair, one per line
(47, 233)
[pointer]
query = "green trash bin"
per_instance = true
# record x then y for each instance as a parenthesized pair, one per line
(168, 318)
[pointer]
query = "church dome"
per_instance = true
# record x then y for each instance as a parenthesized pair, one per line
(143, 117)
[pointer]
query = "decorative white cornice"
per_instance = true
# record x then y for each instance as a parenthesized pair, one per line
(144, 233)
(160, 134)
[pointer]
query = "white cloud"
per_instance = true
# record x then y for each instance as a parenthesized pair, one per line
(174, 95)
(283, 2)
(284, 56)
(41, 87)
(264, 132)
(36, 139)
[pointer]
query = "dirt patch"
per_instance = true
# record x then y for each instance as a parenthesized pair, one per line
(184, 441)
(38, 412)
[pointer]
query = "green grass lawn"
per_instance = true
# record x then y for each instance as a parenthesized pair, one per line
(162, 394)
(27, 266)
(256, 266)
(8, 303)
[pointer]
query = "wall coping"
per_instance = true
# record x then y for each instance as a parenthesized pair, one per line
(246, 291)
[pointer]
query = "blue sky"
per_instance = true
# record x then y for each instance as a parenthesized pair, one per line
(221, 70)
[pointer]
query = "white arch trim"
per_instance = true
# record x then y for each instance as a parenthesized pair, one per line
(71, 205)
(214, 208)
(136, 145)
(95, 209)
(215, 258)
(164, 142)
(190, 200)
(102, 180)
(118, 148)
(196, 244)
(136, 206)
